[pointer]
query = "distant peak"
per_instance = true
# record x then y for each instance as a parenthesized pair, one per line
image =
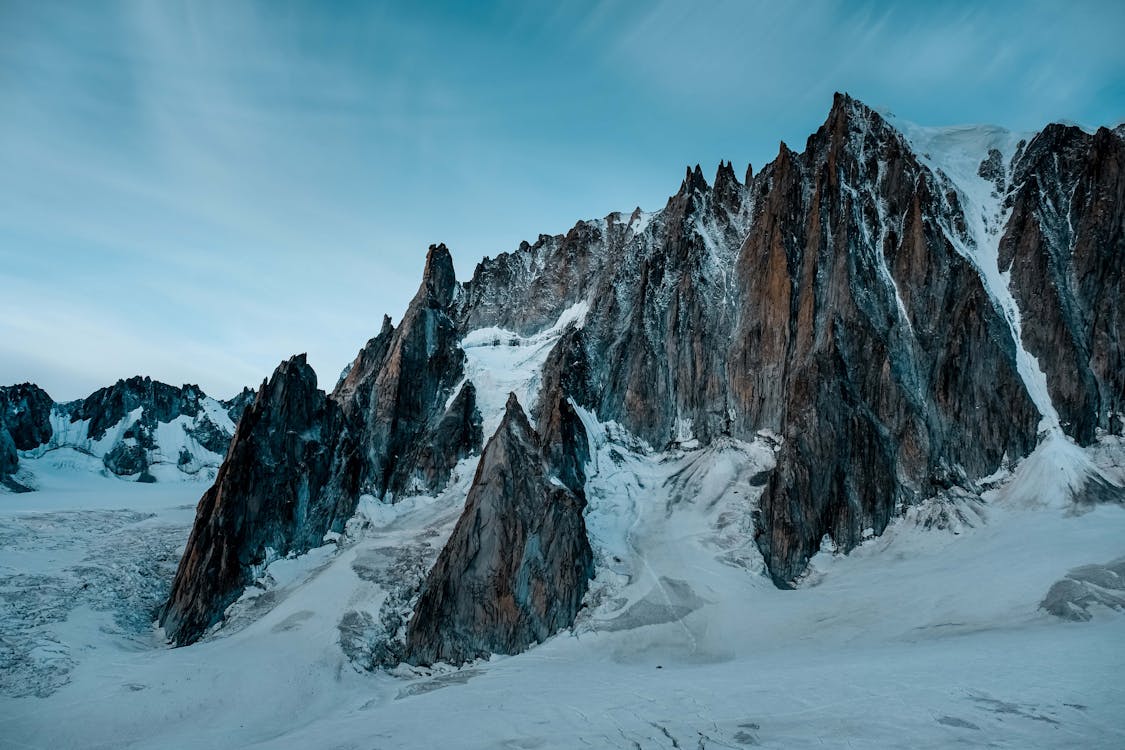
(694, 181)
(725, 174)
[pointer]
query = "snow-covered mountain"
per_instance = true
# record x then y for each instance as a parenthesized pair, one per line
(137, 429)
(872, 306)
(831, 451)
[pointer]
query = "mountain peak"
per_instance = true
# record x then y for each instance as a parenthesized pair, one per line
(728, 190)
(513, 411)
(694, 181)
(439, 279)
(725, 173)
(846, 110)
(843, 102)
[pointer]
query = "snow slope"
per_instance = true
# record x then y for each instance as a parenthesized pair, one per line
(920, 638)
(176, 454)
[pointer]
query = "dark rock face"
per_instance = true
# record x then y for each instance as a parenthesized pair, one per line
(526, 290)
(395, 391)
(823, 300)
(25, 424)
(1065, 248)
(517, 565)
(9, 459)
(866, 341)
(26, 410)
(275, 491)
(659, 323)
(159, 402)
(235, 406)
(210, 435)
(565, 444)
(456, 435)
(300, 459)
(126, 459)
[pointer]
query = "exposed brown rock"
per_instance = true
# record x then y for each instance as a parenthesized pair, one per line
(274, 493)
(878, 406)
(517, 564)
(1065, 248)
(395, 391)
(300, 459)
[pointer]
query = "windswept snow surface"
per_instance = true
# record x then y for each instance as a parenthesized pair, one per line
(928, 636)
(922, 638)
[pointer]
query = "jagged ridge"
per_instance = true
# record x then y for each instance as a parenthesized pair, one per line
(836, 300)
(124, 425)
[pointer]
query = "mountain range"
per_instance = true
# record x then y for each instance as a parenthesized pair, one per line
(893, 318)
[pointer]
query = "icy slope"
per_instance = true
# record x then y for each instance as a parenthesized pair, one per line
(920, 638)
(955, 155)
(977, 162)
(138, 429)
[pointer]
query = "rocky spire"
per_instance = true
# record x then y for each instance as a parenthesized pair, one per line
(439, 281)
(270, 494)
(384, 431)
(517, 564)
(396, 396)
(728, 191)
(694, 182)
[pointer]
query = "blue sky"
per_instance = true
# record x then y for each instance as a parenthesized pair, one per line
(194, 191)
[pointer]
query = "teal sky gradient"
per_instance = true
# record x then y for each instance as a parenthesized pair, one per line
(196, 190)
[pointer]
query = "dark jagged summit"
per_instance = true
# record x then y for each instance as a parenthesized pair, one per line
(269, 495)
(25, 424)
(120, 424)
(833, 300)
(301, 459)
(26, 410)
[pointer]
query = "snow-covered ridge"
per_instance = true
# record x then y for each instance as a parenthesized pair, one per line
(160, 433)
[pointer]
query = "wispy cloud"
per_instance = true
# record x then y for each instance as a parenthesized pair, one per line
(197, 190)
